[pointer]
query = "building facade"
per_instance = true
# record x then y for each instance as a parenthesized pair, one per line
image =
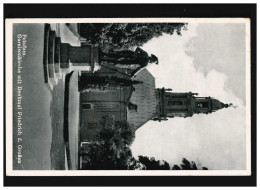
(139, 103)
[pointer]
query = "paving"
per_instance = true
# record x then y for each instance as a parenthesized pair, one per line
(67, 36)
(43, 145)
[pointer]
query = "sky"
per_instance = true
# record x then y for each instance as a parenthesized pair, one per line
(208, 59)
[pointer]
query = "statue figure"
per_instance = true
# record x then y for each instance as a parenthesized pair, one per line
(136, 60)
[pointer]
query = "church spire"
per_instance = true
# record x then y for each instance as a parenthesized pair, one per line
(174, 104)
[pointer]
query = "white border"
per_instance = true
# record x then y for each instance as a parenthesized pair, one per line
(9, 114)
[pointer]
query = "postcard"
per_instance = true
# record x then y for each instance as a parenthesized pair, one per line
(128, 97)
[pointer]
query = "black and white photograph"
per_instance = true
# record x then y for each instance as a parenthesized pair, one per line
(122, 96)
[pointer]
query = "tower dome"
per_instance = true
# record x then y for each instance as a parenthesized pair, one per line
(217, 105)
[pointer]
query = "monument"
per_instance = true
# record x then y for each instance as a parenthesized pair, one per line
(61, 58)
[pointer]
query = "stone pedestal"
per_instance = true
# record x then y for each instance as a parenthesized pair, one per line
(83, 58)
(62, 58)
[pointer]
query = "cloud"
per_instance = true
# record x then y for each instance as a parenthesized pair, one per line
(225, 52)
(217, 140)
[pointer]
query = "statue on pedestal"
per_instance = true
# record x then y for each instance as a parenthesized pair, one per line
(135, 60)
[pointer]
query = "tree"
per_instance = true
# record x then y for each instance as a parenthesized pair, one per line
(122, 36)
(152, 164)
(111, 150)
(120, 133)
(135, 164)
(103, 83)
(187, 165)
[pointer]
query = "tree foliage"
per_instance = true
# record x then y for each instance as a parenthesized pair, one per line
(187, 165)
(152, 164)
(111, 151)
(103, 83)
(122, 36)
(119, 133)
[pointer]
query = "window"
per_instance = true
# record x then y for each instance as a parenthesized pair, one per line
(132, 106)
(87, 106)
(202, 104)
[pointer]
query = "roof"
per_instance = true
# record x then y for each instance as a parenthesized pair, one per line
(144, 97)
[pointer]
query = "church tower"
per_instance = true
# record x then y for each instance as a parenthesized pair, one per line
(169, 104)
